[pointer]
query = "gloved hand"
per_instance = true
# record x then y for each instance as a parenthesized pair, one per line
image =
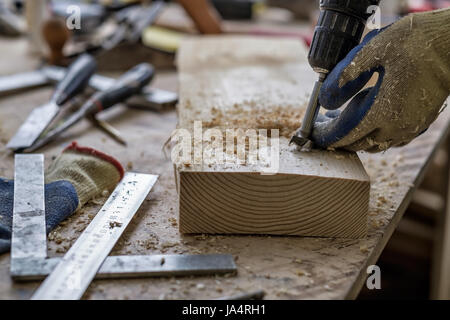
(76, 176)
(412, 59)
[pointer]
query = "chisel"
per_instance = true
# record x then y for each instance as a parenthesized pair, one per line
(150, 97)
(127, 85)
(73, 83)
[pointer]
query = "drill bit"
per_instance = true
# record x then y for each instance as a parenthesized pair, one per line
(302, 136)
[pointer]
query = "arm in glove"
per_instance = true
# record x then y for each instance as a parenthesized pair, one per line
(412, 59)
(76, 176)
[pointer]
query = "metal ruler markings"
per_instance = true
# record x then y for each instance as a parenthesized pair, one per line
(139, 266)
(29, 250)
(78, 267)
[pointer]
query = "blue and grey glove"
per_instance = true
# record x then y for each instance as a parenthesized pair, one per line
(412, 59)
(61, 201)
(76, 176)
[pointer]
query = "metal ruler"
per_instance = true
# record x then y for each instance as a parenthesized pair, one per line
(28, 227)
(71, 277)
(29, 249)
(139, 266)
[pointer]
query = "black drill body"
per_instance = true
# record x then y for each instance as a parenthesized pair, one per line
(339, 29)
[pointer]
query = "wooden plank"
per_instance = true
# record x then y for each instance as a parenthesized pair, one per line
(241, 83)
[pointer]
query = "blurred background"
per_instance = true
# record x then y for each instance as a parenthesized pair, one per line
(59, 30)
(122, 33)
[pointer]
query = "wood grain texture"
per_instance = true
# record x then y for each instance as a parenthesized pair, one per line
(260, 83)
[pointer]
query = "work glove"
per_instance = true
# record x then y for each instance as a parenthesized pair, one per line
(78, 175)
(412, 59)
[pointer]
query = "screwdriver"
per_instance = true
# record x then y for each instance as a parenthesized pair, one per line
(127, 85)
(339, 29)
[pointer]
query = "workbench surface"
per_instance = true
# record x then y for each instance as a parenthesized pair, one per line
(284, 267)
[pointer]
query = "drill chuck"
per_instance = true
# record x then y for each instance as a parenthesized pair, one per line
(339, 29)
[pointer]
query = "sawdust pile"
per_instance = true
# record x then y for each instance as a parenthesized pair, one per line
(285, 119)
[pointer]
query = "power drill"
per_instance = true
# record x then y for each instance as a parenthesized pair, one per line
(339, 29)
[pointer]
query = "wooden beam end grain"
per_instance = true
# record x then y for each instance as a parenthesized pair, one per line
(286, 203)
(238, 82)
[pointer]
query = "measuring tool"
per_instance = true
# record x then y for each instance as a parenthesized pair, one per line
(138, 266)
(75, 271)
(29, 248)
(29, 241)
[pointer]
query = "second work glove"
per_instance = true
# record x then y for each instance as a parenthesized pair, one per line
(76, 176)
(412, 59)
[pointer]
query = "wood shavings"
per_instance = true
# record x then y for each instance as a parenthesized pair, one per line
(363, 248)
(375, 223)
(148, 243)
(200, 286)
(394, 184)
(97, 201)
(301, 273)
(168, 244)
(129, 165)
(114, 224)
(173, 221)
(287, 119)
(382, 200)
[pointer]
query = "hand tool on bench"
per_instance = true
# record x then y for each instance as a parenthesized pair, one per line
(29, 259)
(77, 269)
(339, 29)
(73, 83)
(150, 98)
(131, 23)
(127, 85)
